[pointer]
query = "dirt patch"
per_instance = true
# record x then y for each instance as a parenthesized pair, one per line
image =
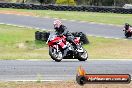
(75, 85)
(59, 85)
(17, 13)
(21, 45)
(71, 85)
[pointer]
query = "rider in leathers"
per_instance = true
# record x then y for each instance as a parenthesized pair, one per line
(127, 26)
(61, 30)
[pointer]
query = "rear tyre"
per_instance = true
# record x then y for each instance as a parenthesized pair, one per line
(57, 56)
(83, 56)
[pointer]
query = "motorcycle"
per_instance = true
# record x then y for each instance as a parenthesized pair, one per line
(60, 49)
(128, 33)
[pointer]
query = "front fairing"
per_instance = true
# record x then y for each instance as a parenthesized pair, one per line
(56, 40)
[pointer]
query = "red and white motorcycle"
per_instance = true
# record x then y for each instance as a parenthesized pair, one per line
(60, 49)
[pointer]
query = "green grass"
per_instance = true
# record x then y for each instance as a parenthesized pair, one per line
(19, 43)
(109, 48)
(107, 18)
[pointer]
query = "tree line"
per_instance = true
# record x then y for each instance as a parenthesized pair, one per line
(104, 2)
(87, 2)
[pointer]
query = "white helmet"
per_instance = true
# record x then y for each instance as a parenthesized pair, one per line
(57, 24)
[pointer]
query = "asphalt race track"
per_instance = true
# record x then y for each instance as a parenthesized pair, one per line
(66, 70)
(47, 23)
(12, 70)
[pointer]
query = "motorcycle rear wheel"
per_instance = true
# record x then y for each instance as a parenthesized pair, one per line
(57, 56)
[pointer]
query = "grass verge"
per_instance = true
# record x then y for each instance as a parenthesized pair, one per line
(59, 85)
(109, 48)
(19, 43)
(107, 18)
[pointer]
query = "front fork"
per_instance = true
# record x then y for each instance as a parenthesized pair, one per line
(57, 48)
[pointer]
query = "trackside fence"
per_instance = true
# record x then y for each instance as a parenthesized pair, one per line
(67, 8)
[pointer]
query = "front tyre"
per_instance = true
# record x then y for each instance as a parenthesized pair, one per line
(126, 35)
(82, 56)
(57, 56)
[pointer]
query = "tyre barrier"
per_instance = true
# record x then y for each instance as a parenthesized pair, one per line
(83, 37)
(67, 8)
(43, 36)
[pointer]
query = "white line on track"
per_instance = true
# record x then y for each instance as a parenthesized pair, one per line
(106, 37)
(68, 20)
(51, 30)
(26, 26)
(22, 26)
(77, 59)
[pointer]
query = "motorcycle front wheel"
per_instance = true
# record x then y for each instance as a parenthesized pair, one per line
(128, 34)
(57, 56)
(82, 56)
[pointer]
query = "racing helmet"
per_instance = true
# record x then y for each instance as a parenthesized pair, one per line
(126, 24)
(57, 24)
